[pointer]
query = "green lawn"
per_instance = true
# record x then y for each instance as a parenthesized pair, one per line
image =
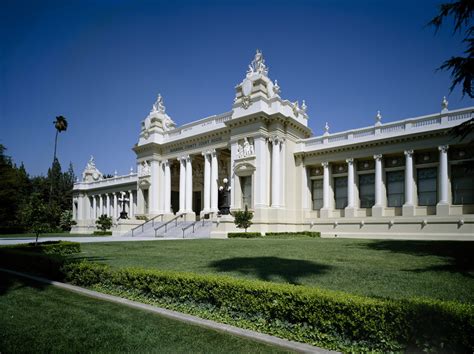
(38, 318)
(378, 268)
(31, 235)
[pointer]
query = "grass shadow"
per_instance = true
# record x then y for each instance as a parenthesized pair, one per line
(10, 282)
(266, 268)
(456, 255)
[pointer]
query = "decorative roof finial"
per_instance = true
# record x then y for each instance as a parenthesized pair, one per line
(159, 106)
(258, 65)
(378, 119)
(303, 106)
(444, 105)
(131, 170)
(276, 88)
(326, 129)
(115, 173)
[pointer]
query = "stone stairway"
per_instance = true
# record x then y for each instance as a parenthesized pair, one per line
(202, 229)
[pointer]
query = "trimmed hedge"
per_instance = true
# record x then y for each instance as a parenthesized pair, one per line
(102, 233)
(339, 320)
(292, 234)
(62, 248)
(244, 235)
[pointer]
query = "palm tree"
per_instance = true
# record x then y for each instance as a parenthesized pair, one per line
(61, 125)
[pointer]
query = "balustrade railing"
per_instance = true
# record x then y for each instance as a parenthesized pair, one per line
(165, 225)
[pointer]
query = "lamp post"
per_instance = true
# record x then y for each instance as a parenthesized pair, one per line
(123, 200)
(224, 190)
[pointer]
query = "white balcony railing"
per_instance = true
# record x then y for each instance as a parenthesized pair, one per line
(107, 183)
(407, 126)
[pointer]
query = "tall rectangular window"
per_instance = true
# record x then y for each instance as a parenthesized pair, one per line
(367, 190)
(395, 188)
(340, 192)
(427, 186)
(462, 183)
(317, 194)
(246, 185)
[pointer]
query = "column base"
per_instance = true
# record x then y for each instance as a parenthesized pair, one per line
(442, 209)
(189, 216)
(325, 213)
(378, 211)
(408, 210)
(350, 212)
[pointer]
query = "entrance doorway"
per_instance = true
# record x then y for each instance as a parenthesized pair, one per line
(197, 203)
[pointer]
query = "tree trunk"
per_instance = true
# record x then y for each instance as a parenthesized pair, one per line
(52, 174)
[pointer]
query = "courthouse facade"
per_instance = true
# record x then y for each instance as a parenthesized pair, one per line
(405, 179)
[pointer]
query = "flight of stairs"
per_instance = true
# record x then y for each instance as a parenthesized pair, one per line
(202, 229)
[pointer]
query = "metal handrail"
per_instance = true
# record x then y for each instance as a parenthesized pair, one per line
(193, 224)
(146, 222)
(165, 225)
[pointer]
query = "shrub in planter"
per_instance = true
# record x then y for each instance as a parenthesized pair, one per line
(244, 234)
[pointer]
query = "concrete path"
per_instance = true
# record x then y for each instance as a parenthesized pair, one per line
(88, 239)
(245, 333)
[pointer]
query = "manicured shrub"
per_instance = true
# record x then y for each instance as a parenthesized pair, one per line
(292, 234)
(346, 321)
(244, 234)
(62, 248)
(103, 233)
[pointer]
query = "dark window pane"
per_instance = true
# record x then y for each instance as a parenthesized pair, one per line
(462, 183)
(427, 186)
(367, 190)
(317, 194)
(395, 188)
(340, 192)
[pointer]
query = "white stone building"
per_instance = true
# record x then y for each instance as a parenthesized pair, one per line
(404, 179)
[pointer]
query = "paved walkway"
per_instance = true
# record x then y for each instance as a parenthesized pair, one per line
(257, 336)
(85, 239)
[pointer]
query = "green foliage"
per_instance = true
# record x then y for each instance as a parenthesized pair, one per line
(292, 234)
(244, 234)
(61, 248)
(104, 222)
(66, 221)
(36, 216)
(333, 319)
(243, 219)
(102, 233)
(461, 68)
(141, 217)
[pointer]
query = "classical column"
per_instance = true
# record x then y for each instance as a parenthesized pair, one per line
(131, 208)
(154, 190)
(207, 182)
(261, 177)
(80, 207)
(94, 207)
(214, 181)
(234, 180)
(378, 208)
(107, 202)
(325, 210)
(189, 185)
(409, 207)
(349, 211)
(442, 208)
(182, 184)
(115, 205)
(167, 204)
(101, 205)
(276, 172)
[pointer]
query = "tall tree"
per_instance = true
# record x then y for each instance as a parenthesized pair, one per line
(61, 125)
(461, 67)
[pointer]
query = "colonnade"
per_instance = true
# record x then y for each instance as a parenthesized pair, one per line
(408, 208)
(110, 204)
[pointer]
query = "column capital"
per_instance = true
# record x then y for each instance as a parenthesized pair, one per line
(443, 148)
(166, 162)
(188, 158)
(325, 164)
(408, 153)
(350, 161)
(378, 157)
(213, 152)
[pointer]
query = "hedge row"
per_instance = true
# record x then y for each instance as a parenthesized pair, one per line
(103, 233)
(292, 234)
(331, 317)
(244, 235)
(62, 248)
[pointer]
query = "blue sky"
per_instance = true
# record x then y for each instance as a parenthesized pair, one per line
(101, 64)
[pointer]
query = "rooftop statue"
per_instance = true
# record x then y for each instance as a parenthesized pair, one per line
(159, 106)
(258, 65)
